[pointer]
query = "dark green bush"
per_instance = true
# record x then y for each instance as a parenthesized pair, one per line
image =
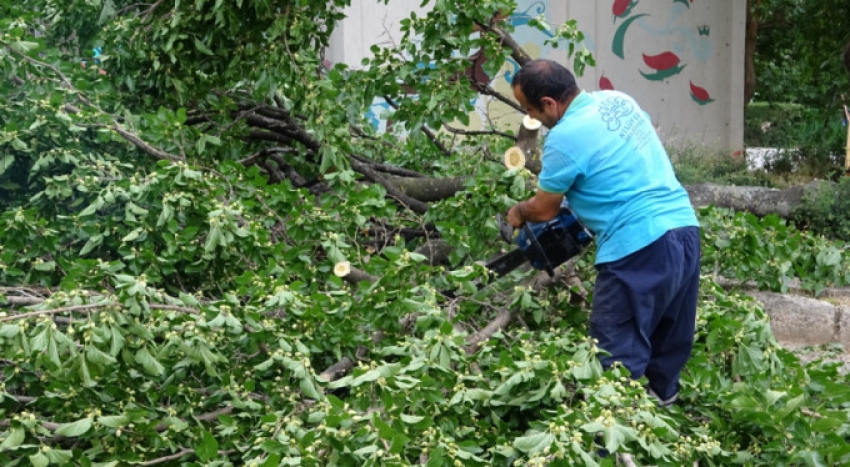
(697, 165)
(813, 139)
(826, 210)
(772, 125)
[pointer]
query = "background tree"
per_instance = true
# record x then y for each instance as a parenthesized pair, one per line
(209, 257)
(794, 47)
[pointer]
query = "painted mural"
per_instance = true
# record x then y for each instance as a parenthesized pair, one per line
(664, 46)
(677, 42)
(487, 111)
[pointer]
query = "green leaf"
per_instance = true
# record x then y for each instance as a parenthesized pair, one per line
(6, 162)
(148, 362)
(132, 235)
(96, 356)
(411, 419)
(202, 47)
(113, 421)
(74, 429)
(39, 460)
(533, 443)
(207, 449)
(615, 436)
(93, 242)
(24, 46)
(59, 456)
(9, 330)
(15, 438)
(46, 266)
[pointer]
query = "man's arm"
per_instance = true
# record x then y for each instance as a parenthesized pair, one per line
(541, 207)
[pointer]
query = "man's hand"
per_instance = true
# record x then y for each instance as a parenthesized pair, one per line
(515, 216)
(541, 207)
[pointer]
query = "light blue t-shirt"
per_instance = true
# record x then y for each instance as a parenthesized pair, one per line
(605, 156)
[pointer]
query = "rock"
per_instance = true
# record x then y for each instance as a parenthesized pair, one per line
(803, 320)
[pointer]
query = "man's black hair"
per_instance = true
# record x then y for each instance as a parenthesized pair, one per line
(545, 78)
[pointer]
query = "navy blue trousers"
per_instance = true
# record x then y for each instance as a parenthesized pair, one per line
(644, 309)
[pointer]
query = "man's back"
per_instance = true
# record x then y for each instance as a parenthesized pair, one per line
(604, 153)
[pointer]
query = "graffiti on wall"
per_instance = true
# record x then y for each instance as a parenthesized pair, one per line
(530, 37)
(678, 41)
(664, 42)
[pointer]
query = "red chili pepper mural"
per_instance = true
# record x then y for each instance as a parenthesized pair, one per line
(699, 95)
(622, 8)
(605, 84)
(665, 64)
(662, 61)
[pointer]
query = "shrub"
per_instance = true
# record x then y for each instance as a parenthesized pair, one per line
(813, 138)
(824, 210)
(698, 165)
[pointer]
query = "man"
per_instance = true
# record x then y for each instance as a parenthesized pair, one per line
(603, 153)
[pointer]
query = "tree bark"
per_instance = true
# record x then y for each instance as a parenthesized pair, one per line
(428, 189)
(528, 141)
(437, 251)
(759, 201)
(753, 19)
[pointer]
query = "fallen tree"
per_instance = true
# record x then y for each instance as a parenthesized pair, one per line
(209, 255)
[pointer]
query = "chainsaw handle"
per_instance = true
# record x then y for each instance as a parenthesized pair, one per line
(547, 266)
(507, 231)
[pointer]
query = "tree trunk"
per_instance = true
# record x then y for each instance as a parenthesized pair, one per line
(759, 201)
(753, 17)
(428, 189)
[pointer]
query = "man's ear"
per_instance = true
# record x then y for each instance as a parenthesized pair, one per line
(546, 100)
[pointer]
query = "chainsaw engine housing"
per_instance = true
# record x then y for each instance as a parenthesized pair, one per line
(549, 244)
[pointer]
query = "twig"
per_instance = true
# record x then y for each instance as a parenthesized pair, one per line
(430, 134)
(517, 52)
(163, 459)
(392, 190)
(76, 308)
(459, 131)
(51, 312)
(132, 138)
(389, 169)
(136, 141)
(808, 412)
(488, 91)
(149, 12)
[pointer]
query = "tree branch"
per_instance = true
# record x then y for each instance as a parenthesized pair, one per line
(392, 190)
(517, 52)
(459, 131)
(430, 134)
(116, 127)
(93, 306)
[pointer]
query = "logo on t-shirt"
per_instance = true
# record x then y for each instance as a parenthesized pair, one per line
(613, 110)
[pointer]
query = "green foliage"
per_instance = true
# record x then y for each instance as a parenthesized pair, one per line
(823, 210)
(695, 165)
(770, 252)
(811, 140)
(799, 52)
(773, 125)
(165, 301)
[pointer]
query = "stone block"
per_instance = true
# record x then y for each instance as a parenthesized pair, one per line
(844, 327)
(800, 320)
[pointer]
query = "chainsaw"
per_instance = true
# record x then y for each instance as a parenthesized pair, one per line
(546, 245)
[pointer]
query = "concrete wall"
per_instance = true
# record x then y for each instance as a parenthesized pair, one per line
(681, 59)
